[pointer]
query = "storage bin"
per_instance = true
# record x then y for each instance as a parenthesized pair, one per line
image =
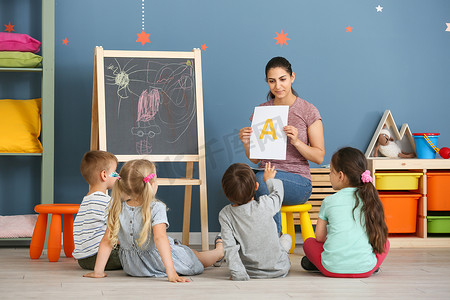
(438, 224)
(438, 191)
(397, 180)
(400, 211)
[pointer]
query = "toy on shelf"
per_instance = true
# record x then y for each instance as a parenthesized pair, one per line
(387, 147)
(387, 140)
(443, 152)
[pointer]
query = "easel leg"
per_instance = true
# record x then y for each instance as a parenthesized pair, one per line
(187, 204)
(204, 217)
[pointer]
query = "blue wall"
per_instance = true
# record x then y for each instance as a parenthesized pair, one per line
(397, 59)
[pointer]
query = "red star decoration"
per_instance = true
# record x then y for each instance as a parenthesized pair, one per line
(349, 29)
(281, 38)
(204, 47)
(65, 41)
(143, 37)
(9, 27)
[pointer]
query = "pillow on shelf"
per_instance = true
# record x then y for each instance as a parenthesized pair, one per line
(20, 126)
(16, 59)
(18, 42)
(17, 226)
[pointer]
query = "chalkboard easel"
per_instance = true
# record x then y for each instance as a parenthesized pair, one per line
(149, 105)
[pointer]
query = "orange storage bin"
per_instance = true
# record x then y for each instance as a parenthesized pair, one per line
(438, 190)
(400, 211)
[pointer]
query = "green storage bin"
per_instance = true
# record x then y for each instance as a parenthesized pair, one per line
(438, 224)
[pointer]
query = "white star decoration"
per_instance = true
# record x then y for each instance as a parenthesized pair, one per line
(379, 8)
(448, 27)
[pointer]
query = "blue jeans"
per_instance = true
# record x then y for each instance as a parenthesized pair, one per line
(297, 190)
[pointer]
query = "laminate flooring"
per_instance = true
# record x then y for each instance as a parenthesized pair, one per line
(407, 273)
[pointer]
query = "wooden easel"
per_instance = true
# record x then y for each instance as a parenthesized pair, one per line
(98, 134)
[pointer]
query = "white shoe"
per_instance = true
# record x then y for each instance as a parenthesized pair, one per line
(286, 242)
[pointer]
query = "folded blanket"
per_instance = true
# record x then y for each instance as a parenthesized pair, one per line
(17, 226)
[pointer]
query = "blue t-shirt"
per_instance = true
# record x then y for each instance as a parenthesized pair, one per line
(347, 249)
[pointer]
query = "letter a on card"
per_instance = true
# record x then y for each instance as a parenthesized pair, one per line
(269, 123)
(268, 140)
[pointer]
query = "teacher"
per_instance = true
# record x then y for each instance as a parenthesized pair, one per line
(305, 134)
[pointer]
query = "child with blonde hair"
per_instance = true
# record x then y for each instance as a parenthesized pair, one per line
(138, 222)
(351, 234)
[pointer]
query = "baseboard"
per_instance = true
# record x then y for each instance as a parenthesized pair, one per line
(195, 238)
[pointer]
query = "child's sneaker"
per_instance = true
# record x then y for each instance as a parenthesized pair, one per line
(286, 242)
(308, 265)
(218, 240)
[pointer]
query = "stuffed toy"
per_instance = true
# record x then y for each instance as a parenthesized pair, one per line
(388, 148)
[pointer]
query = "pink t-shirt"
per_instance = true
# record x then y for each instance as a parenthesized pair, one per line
(302, 114)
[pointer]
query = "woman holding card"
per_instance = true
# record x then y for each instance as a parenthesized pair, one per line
(304, 132)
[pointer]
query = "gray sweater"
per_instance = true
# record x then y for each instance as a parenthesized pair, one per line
(250, 238)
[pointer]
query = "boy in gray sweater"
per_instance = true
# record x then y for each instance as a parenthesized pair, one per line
(249, 233)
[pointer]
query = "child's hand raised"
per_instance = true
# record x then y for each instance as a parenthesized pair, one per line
(95, 275)
(269, 172)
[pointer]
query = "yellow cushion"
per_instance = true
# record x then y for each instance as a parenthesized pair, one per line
(20, 126)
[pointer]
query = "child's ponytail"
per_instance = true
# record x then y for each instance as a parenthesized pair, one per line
(373, 211)
(115, 207)
(148, 194)
(353, 164)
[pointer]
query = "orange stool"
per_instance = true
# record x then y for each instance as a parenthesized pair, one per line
(287, 221)
(54, 236)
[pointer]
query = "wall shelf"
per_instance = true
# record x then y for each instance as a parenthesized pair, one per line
(20, 154)
(21, 69)
(47, 109)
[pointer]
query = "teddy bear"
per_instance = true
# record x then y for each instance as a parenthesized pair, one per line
(388, 148)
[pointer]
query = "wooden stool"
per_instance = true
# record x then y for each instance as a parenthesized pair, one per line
(287, 221)
(54, 236)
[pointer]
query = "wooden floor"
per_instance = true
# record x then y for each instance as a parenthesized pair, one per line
(407, 273)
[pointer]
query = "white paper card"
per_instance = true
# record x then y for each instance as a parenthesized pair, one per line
(268, 140)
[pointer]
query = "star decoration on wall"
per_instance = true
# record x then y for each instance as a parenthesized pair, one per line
(281, 38)
(143, 37)
(349, 29)
(448, 27)
(65, 41)
(204, 47)
(379, 8)
(9, 27)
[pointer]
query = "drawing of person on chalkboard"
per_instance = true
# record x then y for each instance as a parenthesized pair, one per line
(148, 106)
(305, 133)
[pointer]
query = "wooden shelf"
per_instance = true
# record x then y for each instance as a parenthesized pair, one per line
(420, 238)
(20, 154)
(21, 69)
(47, 115)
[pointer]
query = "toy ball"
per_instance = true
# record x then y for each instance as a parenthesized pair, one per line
(444, 152)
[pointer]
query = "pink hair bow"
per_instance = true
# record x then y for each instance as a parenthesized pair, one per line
(149, 177)
(365, 177)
